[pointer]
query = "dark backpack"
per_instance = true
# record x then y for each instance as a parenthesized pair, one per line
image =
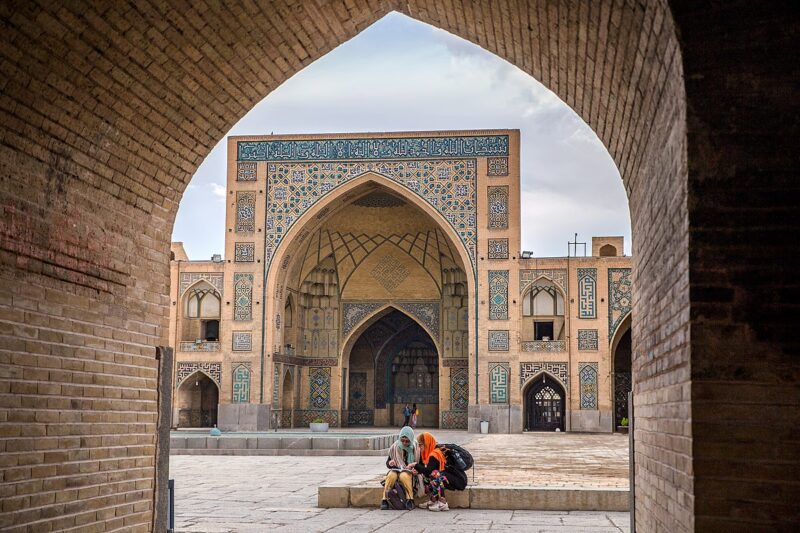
(457, 456)
(396, 496)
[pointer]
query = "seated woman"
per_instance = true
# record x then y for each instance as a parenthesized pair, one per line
(403, 452)
(439, 476)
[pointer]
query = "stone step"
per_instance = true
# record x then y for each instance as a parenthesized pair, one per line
(490, 497)
(280, 445)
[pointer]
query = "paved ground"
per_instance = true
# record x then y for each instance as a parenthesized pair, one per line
(216, 494)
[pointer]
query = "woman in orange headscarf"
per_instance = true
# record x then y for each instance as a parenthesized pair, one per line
(438, 474)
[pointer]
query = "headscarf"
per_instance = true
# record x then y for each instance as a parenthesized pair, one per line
(411, 449)
(430, 450)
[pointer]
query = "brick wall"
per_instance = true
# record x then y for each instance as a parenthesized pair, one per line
(107, 111)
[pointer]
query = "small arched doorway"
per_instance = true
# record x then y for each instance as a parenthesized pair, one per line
(545, 405)
(287, 400)
(198, 399)
(622, 382)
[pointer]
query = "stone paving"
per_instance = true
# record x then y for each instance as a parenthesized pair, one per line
(221, 494)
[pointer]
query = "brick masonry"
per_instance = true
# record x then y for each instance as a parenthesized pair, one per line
(107, 111)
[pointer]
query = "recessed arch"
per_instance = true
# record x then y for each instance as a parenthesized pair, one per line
(545, 403)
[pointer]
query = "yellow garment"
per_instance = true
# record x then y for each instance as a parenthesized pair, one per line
(405, 480)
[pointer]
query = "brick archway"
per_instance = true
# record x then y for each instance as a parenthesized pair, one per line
(107, 111)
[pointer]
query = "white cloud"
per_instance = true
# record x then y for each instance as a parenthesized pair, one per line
(218, 191)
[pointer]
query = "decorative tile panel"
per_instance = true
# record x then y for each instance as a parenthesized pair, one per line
(459, 389)
(244, 252)
(243, 296)
(499, 378)
(241, 383)
(276, 384)
(530, 370)
(587, 373)
(245, 171)
(498, 249)
(304, 361)
(319, 379)
(544, 346)
(587, 292)
(357, 395)
(204, 346)
(212, 370)
(497, 166)
(498, 340)
(619, 297)
(303, 417)
(242, 341)
(587, 339)
(373, 148)
(556, 275)
(454, 420)
(190, 278)
(245, 212)
(449, 186)
(498, 207)
(353, 313)
(389, 272)
(455, 363)
(426, 312)
(498, 295)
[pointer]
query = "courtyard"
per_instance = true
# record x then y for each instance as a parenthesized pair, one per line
(216, 494)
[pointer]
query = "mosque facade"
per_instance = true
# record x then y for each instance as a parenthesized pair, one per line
(364, 272)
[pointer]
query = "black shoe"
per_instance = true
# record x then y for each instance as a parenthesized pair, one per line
(409, 504)
(384, 505)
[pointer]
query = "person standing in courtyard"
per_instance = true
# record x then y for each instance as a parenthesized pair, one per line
(406, 415)
(437, 473)
(414, 414)
(403, 452)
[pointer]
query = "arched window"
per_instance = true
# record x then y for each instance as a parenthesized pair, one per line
(543, 299)
(202, 301)
(608, 251)
(288, 313)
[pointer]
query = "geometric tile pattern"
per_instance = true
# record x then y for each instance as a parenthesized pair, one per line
(204, 346)
(189, 278)
(619, 297)
(389, 272)
(449, 186)
(459, 388)
(498, 248)
(212, 370)
(497, 166)
(245, 171)
(244, 252)
(498, 340)
(587, 292)
(245, 212)
(243, 299)
(242, 341)
(587, 372)
(498, 207)
(375, 148)
(241, 383)
(529, 370)
(498, 295)
(454, 419)
(499, 377)
(305, 416)
(544, 346)
(556, 275)
(319, 379)
(587, 339)
(455, 363)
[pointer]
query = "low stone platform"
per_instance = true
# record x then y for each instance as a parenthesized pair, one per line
(530, 471)
(492, 497)
(297, 443)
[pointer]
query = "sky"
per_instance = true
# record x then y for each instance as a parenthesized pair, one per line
(402, 75)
